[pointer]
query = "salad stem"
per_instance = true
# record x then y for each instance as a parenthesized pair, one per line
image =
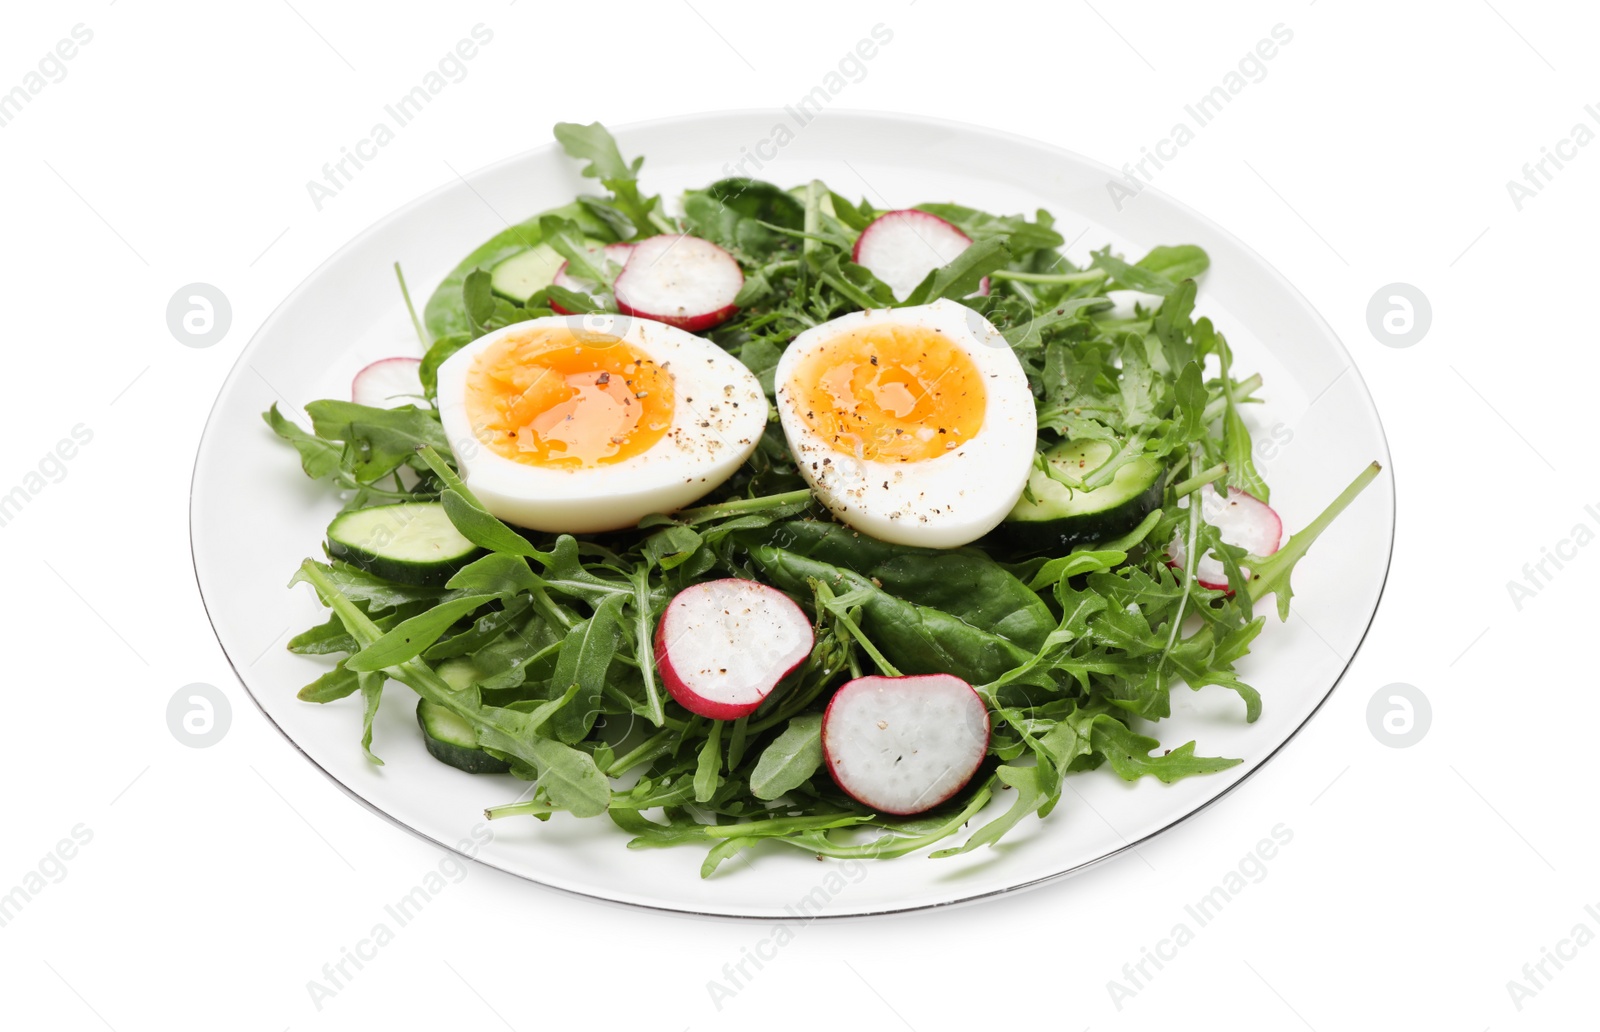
(517, 809)
(1086, 276)
(1199, 480)
(645, 750)
(813, 219)
(1191, 559)
(406, 293)
(702, 513)
(1241, 392)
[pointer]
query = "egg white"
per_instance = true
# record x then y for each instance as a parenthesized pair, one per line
(942, 502)
(719, 413)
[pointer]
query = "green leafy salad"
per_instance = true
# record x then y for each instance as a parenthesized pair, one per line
(770, 516)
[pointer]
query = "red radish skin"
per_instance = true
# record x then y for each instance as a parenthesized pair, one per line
(902, 247)
(902, 745)
(616, 254)
(683, 281)
(1243, 520)
(388, 383)
(722, 646)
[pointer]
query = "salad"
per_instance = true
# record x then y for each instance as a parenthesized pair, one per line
(769, 516)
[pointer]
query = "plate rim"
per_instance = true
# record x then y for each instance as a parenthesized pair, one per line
(833, 115)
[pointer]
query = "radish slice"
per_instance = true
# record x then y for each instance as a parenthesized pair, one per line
(613, 254)
(723, 645)
(682, 281)
(1244, 521)
(388, 383)
(902, 247)
(904, 744)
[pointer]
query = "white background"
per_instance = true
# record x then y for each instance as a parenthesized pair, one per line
(219, 881)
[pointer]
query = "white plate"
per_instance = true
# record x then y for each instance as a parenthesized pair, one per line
(254, 516)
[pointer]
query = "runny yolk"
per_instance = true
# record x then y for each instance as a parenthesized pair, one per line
(890, 393)
(550, 398)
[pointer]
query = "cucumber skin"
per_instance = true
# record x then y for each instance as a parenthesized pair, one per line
(1069, 532)
(401, 571)
(473, 761)
(423, 575)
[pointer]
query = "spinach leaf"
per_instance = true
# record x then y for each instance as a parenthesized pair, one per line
(917, 639)
(738, 214)
(965, 584)
(434, 357)
(445, 313)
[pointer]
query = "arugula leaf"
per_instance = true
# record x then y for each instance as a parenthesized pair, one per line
(593, 144)
(379, 594)
(1032, 332)
(585, 656)
(410, 638)
(1129, 753)
(790, 760)
(496, 574)
(1020, 235)
(376, 441)
(1032, 793)
(1176, 263)
(761, 357)
(371, 695)
(319, 457)
(1132, 277)
(708, 769)
(336, 684)
(1174, 327)
(564, 236)
(1270, 575)
(962, 275)
(570, 777)
(1076, 564)
(1237, 450)
(469, 516)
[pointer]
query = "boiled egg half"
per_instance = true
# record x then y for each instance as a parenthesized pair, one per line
(913, 425)
(586, 423)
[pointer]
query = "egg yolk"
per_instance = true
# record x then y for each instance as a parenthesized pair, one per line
(550, 398)
(890, 393)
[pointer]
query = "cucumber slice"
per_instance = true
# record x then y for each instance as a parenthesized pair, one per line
(1063, 516)
(412, 542)
(525, 274)
(445, 314)
(449, 738)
